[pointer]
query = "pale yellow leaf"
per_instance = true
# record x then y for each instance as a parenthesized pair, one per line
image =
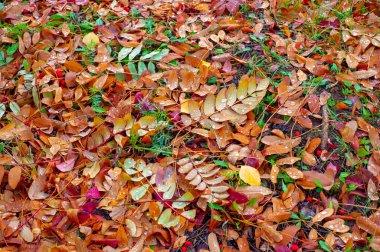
(250, 175)
(91, 38)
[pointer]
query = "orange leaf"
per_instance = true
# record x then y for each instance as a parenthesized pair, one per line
(73, 66)
(14, 177)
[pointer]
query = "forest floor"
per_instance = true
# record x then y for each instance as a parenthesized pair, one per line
(219, 125)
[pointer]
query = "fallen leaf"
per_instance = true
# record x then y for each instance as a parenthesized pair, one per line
(91, 39)
(67, 165)
(250, 175)
(323, 214)
(213, 243)
(14, 177)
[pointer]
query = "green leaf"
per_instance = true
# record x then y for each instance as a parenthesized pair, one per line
(120, 76)
(129, 166)
(343, 176)
(351, 187)
(14, 107)
(324, 246)
(221, 163)
(167, 219)
(215, 206)
(25, 65)
(252, 202)
(124, 53)
(132, 69)
(2, 109)
(149, 55)
(12, 49)
(138, 192)
(151, 67)
(284, 188)
(318, 183)
(186, 197)
(141, 66)
(217, 217)
(99, 109)
(236, 206)
(190, 214)
(160, 55)
(135, 52)
(363, 152)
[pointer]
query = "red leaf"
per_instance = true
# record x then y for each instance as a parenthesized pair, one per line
(239, 198)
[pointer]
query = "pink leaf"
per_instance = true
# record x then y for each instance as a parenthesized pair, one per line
(66, 166)
(93, 193)
(81, 2)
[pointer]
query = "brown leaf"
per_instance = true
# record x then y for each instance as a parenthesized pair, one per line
(289, 233)
(294, 173)
(65, 29)
(364, 74)
(14, 177)
(313, 144)
(375, 243)
(323, 214)
(367, 225)
(313, 104)
(349, 131)
(273, 174)
(304, 121)
(243, 244)
(36, 190)
(100, 82)
(337, 225)
(276, 149)
(287, 161)
(213, 243)
(122, 237)
(326, 179)
(374, 163)
(308, 158)
(374, 137)
(27, 40)
(2, 172)
(21, 46)
(316, 68)
(372, 190)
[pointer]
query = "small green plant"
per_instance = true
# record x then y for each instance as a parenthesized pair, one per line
(96, 100)
(14, 31)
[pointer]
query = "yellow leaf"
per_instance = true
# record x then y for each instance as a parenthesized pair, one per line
(185, 107)
(250, 175)
(91, 38)
(205, 63)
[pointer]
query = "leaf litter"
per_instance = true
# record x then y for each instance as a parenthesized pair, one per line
(220, 125)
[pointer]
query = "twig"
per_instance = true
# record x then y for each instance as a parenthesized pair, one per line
(325, 128)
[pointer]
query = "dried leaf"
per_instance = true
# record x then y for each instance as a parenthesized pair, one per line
(14, 177)
(367, 225)
(67, 165)
(213, 243)
(323, 214)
